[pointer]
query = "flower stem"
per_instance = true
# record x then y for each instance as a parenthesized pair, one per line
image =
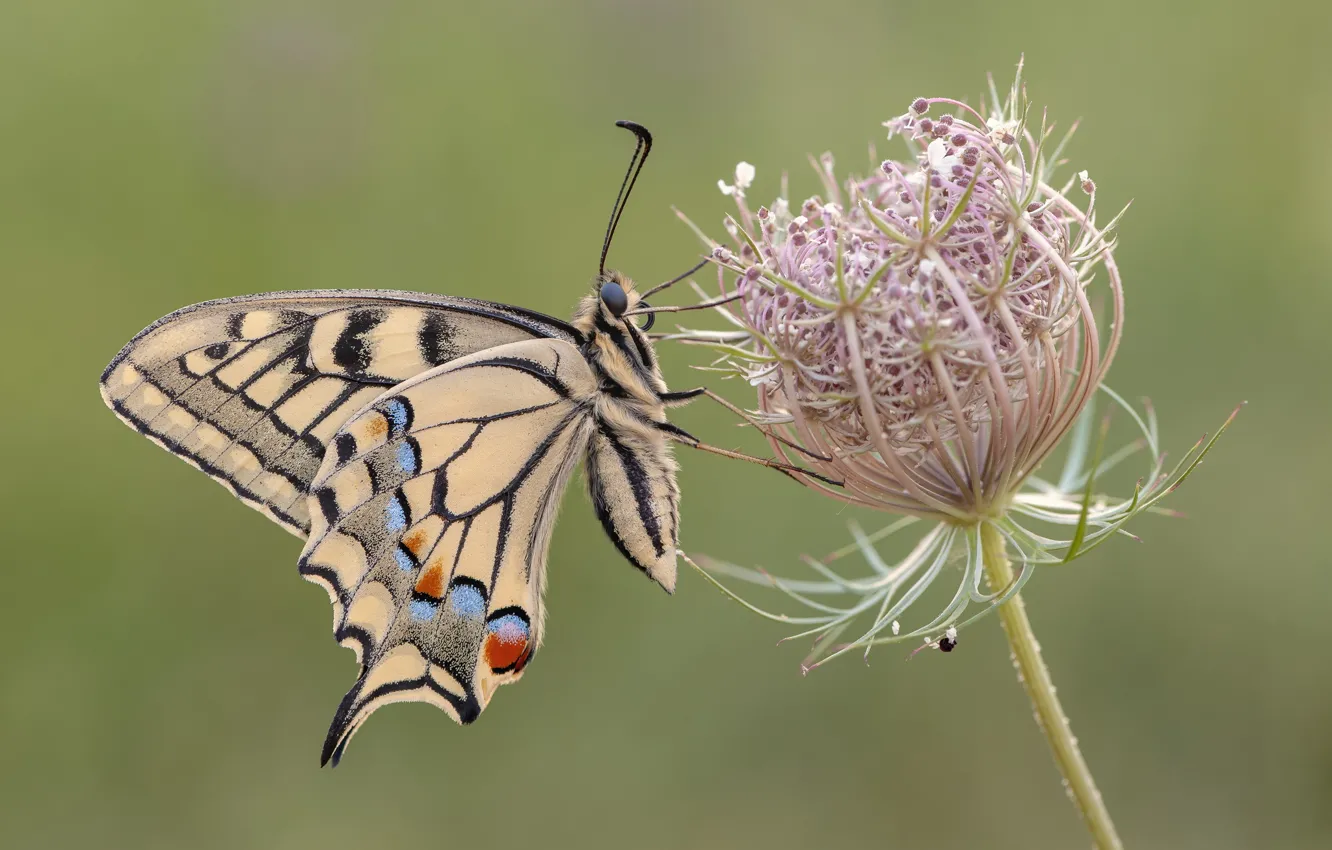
(1035, 677)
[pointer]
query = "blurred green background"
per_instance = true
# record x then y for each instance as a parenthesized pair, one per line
(167, 677)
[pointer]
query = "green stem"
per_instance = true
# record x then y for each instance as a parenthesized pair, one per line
(1035, 677)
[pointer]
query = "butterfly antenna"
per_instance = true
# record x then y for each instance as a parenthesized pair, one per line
(644, 147)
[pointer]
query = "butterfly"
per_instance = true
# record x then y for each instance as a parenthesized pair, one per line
(420, 445)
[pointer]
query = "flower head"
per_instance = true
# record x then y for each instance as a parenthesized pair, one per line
(927, 329)
(928, 335)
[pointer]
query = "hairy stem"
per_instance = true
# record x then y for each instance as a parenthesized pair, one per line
(1035, 678)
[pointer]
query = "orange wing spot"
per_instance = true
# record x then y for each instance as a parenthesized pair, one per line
(431, 582)
(377, 425)
(504, 650)
(415, 542)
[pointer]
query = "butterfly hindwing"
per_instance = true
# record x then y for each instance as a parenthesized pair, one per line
(251, 390)
(431, 520)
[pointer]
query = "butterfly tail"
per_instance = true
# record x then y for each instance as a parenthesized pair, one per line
(400, 675)
(342, 728)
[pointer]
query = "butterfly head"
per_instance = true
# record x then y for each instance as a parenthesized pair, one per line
(604, 308)
(613, 339)
(614, 297)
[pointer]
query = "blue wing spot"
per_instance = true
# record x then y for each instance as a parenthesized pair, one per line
(423, 610)
(510, 628)
(467, 601)
(395, 518)
(399, 413)
(404, 560)
(407, 458)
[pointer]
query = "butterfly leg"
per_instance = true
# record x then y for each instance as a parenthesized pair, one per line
(682, 436)
(683, 397)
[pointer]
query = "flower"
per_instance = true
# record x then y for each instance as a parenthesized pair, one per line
(929, 335)
(744, 177)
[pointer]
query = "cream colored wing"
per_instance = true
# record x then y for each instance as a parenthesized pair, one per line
(431, 520)
(250, 390)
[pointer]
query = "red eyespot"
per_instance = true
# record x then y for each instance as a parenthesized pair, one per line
(507, 642)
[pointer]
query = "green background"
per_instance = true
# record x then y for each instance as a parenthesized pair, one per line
(167, 678)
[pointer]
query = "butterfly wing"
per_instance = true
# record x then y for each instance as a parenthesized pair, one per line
(250, 390)
(431, 520)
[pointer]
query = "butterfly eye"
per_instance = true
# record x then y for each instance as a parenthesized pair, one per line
(651, 317)
(612, 295)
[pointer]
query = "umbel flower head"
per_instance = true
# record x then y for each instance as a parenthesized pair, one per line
(928, 335)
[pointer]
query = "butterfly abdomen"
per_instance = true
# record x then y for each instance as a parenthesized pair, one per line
(631, 481)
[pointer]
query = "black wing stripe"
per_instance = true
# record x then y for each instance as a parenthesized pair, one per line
(351, 351)
(436, 339)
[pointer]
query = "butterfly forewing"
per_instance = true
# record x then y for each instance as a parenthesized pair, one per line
(251, 390)
(432, 520)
